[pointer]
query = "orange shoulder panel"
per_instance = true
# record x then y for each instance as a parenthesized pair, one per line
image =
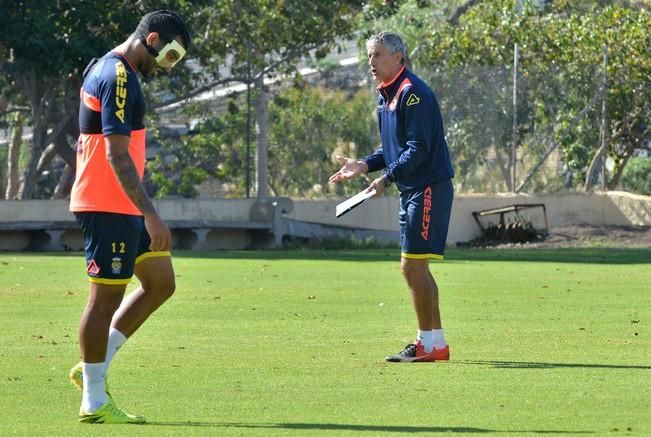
(91, 102)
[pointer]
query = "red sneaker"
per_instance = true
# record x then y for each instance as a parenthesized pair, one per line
(415, 352)
(442, 354)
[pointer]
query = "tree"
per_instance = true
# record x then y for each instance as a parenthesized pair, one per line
(250, 41)
(475, 97)
(238, 41)
(213, 148)
(50, 44)
(310, 126)
(561, 56)
(637, 176)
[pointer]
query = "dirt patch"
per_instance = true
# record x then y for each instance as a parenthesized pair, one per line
(592, 236)
(608, 236)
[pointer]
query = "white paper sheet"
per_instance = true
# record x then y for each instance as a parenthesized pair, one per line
(348, 204)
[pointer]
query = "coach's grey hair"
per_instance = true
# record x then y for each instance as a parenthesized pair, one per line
(391, 41)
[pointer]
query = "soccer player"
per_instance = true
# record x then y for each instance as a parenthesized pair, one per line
(414, 155)
(123, 233)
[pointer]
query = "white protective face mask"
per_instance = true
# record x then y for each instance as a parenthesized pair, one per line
(171, 47)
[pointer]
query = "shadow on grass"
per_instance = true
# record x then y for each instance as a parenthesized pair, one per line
(601, 255)
(538, 365)
(586, 255)
(370, 428)
(596, 255)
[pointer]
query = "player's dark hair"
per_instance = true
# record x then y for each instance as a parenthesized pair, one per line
(166, 23)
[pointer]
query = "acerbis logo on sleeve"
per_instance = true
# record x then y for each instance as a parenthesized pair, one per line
(413, 100)
(120, 90)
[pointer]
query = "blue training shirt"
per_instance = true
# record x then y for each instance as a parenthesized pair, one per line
(111, 103)
(414, 152)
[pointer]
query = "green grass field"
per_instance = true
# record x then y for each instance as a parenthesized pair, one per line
(554, 342)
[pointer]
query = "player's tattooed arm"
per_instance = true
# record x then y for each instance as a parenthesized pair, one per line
(117, 149)
(117, 153)
(128, 176)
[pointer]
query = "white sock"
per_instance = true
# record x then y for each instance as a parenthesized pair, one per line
(94, 393)
(115, 341)
(438, 338)
(426, 339)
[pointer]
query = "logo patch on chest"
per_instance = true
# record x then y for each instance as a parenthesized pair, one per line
(413, 99)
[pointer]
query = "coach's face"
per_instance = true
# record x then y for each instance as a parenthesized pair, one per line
(384, 64)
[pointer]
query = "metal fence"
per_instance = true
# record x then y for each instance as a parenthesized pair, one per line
(488, 110)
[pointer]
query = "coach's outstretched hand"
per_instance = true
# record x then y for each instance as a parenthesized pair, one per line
(351, 168)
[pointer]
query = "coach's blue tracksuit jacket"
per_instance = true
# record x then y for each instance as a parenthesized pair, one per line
(414, 151)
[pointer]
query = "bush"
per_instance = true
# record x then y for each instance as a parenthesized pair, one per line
(637, 176)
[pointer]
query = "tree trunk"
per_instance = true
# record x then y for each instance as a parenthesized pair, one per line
(4, 104)
(453, 19)
(41, 156)
(506, 171)
(13, 158)
(41, 109)
(590, 177)
(619, 170)
(602, 152)
(46, 158)
(67, 153)
(262, 130)
(62, 190)
(531, 174)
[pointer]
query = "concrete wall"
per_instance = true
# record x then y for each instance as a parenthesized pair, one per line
(169, 209)
(34, 210)
(599, 209)
(202, 224)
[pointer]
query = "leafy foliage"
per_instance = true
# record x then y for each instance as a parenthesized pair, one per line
(637, 176)
(48, 45)
(235, 41)
(240, 40)
(59, 38)
(309, 127)
(215, 148)
(561, 54)
(45, 46)
(247, 42)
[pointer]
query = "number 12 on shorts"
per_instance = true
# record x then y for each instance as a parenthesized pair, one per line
(121, 245)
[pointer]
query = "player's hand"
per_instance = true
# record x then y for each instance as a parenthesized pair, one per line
(159, 233)
(351, 168)
(379, 185)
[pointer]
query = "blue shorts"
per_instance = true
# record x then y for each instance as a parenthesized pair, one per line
(114, 243)
(424, 219)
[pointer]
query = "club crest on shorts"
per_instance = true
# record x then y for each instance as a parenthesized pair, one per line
(116, 265)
